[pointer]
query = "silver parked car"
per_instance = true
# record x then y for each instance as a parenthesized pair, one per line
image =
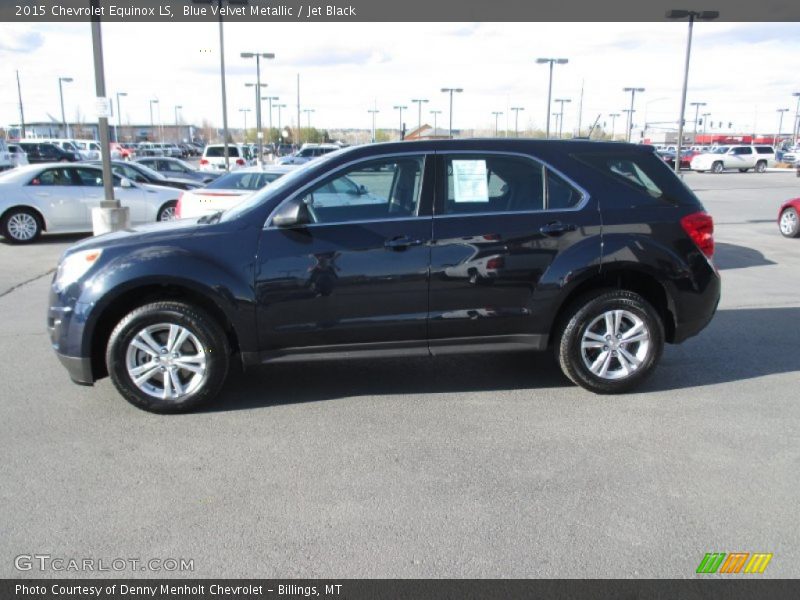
(59, 198)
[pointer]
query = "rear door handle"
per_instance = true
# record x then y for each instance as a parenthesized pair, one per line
(556, 228)
(401, 243)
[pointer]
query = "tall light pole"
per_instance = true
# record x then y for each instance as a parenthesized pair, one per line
(373, 112)
(781, 112)
(633, 91)
(257, 88)
(451, 91)
(21, 110)
(705, 124)
(401, 107)
(629, 121)
(259, 133)
(269, 99)
(551, 62)
(702, 15)
(497, 114)
(280, 126)
(435, 114)
(613, 123)
(516, 110)
(61, 82)
(420, 102)
(244, 111)
(222, 74)
(697, 106)
(119, 117)
(796, 117)
(177, 124)
(308, 112)
(561, 115)
(152, 124)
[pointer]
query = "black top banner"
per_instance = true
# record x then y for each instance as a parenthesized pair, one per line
(389, 10)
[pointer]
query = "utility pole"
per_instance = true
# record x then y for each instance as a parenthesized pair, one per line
(496, 114)
(613, 123)
(516, 110)
(21, 111)
(110, 215)
(630, 112)
(697, 106)
(373, 112)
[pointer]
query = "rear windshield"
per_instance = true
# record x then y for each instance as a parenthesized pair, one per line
(243, 181)
(219, 151)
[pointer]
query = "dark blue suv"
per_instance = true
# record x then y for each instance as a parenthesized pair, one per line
(595, 250)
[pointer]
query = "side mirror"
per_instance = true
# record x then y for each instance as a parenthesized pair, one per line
(362, 189)
(124, 182)
(294, 213)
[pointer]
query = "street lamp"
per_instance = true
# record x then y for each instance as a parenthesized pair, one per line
(401, 107)
(152, 125)
(516, 110)
(256, 87)
(373, 112)
(705, 124)
(630, 111)
(119, 117)
(244, 111)
(279, 107)
(613, 123)
(259, 134)
(697, 106)
(61, 81)
(796, 118)
(177, 126)
(561, 115)
(551, 62)
(435, 114)
(308, 112)
(497, 114)
(451, 91)
(269, 99)
(702, 15)
(780, 111)
(420, 102)
(629, 120)
(222, 74)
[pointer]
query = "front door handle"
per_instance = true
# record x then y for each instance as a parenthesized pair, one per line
(401, 243)
(556, 228)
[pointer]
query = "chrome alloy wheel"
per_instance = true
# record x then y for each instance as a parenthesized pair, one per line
(166, 361)
(22, 226)
(788, 222)
(615, 344)
(167, 214)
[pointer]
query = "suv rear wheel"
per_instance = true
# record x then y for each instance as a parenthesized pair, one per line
(761, 166)
(168, 357)
(611, 341)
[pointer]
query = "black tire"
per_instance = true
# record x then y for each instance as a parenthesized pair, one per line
(578, 320)
(761, 166)
(789, 223)
(718, 167)
(205, 330)
(14, 219)
(167, 212)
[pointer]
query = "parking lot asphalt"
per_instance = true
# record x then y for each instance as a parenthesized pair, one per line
(470, 466)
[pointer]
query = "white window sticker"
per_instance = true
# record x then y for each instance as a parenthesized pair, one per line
(469, 181)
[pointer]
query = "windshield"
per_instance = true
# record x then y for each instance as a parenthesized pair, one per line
(719, 150)
(250, 181)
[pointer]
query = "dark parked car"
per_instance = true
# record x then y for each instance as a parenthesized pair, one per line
(143, 174)
(42, 153)
(594, 250)
(175, 167)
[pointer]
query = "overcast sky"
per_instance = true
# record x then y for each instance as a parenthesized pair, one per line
(743, 71)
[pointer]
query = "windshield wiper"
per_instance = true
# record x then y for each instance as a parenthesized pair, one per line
(210, 219)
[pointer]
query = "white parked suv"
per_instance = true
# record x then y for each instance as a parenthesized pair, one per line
(213, 158)
(740, 157)
(6, 161)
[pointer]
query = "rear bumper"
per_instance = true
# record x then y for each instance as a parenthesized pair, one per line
(695, 310)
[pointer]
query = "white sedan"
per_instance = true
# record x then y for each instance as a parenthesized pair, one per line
(59, 198)
(228, 190)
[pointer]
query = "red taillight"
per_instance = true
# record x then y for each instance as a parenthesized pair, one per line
(495, 263)
(178, 206)
(203, 161)
(240, 162)
(700, 227)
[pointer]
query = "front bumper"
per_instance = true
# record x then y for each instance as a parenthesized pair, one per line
(65, 324)
(78, 368)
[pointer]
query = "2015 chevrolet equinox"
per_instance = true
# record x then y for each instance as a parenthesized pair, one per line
(594, 249)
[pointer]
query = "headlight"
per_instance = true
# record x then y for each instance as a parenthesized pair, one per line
(74, 267)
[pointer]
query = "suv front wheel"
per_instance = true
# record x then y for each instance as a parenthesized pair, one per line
(168, 357)
(611, 341)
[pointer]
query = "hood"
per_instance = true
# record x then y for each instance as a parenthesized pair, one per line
(151, 233)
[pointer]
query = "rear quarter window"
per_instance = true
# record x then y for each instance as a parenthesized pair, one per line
(764, 150)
